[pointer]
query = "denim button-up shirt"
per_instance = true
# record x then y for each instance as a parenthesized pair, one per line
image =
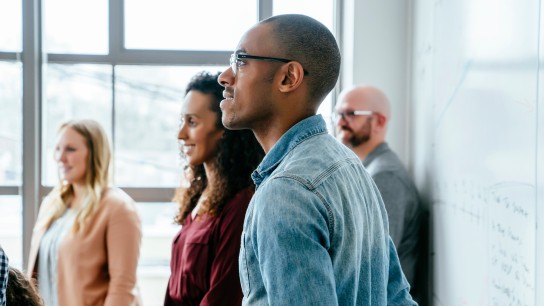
(316, 231)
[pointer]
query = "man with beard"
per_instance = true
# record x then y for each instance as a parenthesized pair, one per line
(362, 116)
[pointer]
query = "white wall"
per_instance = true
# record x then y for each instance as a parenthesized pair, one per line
(478, 147)
(376, 42)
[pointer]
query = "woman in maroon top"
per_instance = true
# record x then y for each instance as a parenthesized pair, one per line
(204, 260)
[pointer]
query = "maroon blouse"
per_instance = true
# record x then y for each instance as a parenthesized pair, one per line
(204, 264)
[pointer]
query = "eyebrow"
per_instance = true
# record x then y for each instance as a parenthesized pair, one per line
(190, 115)
(240, 51)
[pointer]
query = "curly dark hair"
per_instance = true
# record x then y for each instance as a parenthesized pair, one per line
(239, 153)
(21, 290)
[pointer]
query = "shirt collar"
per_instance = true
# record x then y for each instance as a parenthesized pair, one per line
(379, 150)
(296, 134)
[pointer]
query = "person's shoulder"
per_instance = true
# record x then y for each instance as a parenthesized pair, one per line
(392, 176)
(323, 140)
(313, 163)
(386, 162)
(240, 201)
(48, 200)
(114, 198)
(3, 256)
(47, 204)
(316, 154)
(244, 195)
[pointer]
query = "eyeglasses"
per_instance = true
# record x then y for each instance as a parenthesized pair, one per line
(235, 61)
(349, 116)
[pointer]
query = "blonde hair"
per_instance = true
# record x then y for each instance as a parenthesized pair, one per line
(96, 178)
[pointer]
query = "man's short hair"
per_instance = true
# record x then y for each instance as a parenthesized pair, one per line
(306, 40)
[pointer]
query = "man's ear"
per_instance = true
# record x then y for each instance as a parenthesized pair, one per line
(381, 120)
(292, 76)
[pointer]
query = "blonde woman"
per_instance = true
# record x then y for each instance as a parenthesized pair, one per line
(86, 241)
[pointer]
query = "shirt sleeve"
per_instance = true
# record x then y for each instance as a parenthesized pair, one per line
(395, 197)
(224, 276)
(3, 276)
(290, 236)
(398, 289)
(123, 240)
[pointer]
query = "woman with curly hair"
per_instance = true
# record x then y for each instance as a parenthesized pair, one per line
(21, 291)
(204, 264)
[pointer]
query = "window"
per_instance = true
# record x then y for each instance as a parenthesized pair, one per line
(11, 133)
(175, 25)
(10, 123)
(154, 266)
(73, 91)
(11, 228)
(321, 10)
(147, 104)
(11, 25)
(76, 26)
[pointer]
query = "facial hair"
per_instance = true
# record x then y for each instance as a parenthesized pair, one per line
(362, 136)
(226, 119)
(231, 119)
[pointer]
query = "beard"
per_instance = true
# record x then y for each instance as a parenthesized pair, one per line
(358, 138)
(229, 121)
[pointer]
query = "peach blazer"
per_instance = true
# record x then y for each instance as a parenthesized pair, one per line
(97, 266)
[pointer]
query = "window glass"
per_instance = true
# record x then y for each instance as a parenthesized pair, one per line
(158, 233)
(76, 26)
(10, 123)
(11, 229)
(73, 92)
(321, 10)
(11, 25)
(147, 106)
(325, 109)
(187, 25)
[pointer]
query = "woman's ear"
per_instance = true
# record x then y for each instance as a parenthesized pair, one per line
(292, 76)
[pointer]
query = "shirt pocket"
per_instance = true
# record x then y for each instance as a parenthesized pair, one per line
(244, 272)
(197, 260)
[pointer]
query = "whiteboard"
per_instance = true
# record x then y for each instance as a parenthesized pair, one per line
(485, 148)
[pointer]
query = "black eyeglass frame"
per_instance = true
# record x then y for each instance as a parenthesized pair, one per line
(236, 56)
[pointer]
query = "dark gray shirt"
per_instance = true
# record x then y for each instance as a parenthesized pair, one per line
(401, 202)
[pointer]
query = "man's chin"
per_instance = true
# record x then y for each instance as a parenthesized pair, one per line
(230, 123)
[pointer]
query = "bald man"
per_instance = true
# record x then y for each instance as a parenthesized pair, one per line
(362, 116)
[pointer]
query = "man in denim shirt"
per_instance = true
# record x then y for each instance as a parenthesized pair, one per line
(316, 230)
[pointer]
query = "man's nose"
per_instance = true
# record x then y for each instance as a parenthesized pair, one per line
(341, 120)
(226, 78)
